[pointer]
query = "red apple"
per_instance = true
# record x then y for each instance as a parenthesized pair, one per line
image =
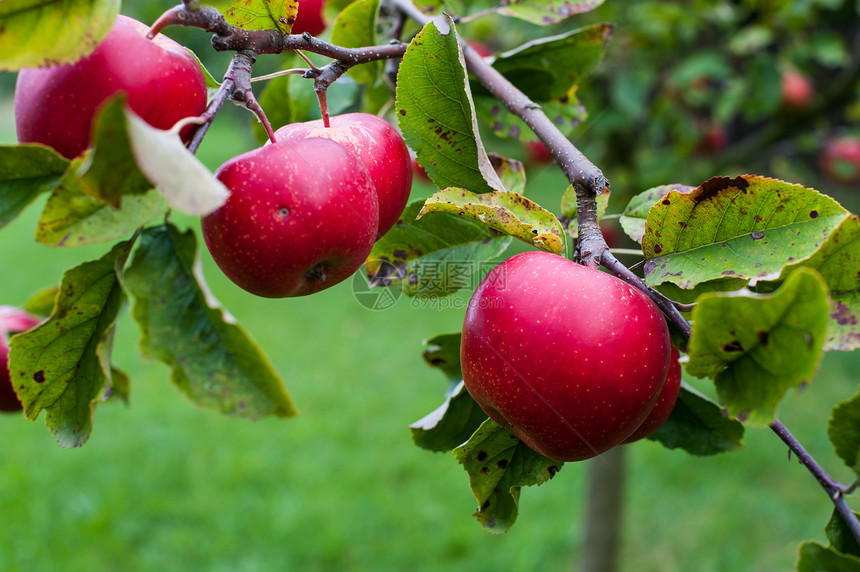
(56, 105)
(569, 359)
(538, 154)
(480, 48)
(713, 138)
(665, 403)
(302, 216)
(797, 90)
(380, 147)
(310, 18)
(12, 321)
(840, 160)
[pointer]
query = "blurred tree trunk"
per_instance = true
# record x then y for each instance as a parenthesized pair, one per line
(603, 512)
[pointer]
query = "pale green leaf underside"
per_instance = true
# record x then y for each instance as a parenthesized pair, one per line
(546, 12)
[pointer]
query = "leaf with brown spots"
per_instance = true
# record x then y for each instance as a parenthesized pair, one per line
(261, 14)
(635, 215)
(499, 465)
(355, 27)
(436, 113)
(757, 346)
(62, 365)
(748, 227)
(36, 33)
(506, 212)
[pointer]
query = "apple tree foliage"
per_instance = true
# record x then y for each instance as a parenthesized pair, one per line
(767, 271)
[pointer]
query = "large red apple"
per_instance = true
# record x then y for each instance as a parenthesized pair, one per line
(840, 160)
(56, 105)
(310, 18)
(302, 216)
(569, 359)
(12, 321)
(665, 402)
(380, 147)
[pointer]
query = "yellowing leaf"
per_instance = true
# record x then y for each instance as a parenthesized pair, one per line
(262, 14)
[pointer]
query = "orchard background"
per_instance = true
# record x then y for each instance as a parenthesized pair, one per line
(686, 90)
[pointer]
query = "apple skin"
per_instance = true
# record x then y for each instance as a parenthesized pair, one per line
(12, 321)
(302, 216)
(840, 160)
(569, 359)
(665, 402)
(56, 105)
(310, 18)
(379, 145)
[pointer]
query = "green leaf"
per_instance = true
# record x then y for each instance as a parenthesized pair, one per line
(499, 465)
(212, 359)
(549, 68)
(546, 12)
(697, 425)
(443, 351)
(633, 219)
(840, 536)
(26, 171)
(433, 256)
(262, 14)
(756, 346)
(747, 227)
(436, 113)
(73, 217)
(843, 429)
(451, 424)
(355, 27)
(62, 365)
(110, 172)
(37, 33)
(813, 557)
(504, 211)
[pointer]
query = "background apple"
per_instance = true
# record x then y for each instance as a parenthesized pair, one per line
(665, 402)
(302, 217)
(380, 147)
(56, 105)
(310, 18)
(569, 359)
(797, 90)
(840, 160)
(12, 321)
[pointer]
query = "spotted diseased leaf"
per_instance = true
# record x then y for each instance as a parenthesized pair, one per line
(547, 12)
(757, 346)
(212, 359)
(566, 113)
(814, 557)
(504, 211)
(843, 429)
(551, 68)
(355, 27)
(36, 33)
(499, 465)
(262, 14)
(26, 171)
(62, 365)
(511, 172)
(748, 227)
(697, 425)
(451, 424)
(436, 113)
(73, 217)
(633, 219)
(434, 256)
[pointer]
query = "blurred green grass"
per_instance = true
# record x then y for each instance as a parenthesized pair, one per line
(164, 485)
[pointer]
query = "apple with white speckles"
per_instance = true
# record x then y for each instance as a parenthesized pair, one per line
(301, 217)
(665, 403)
(12, 321)
(379, 145)
(571, 360)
